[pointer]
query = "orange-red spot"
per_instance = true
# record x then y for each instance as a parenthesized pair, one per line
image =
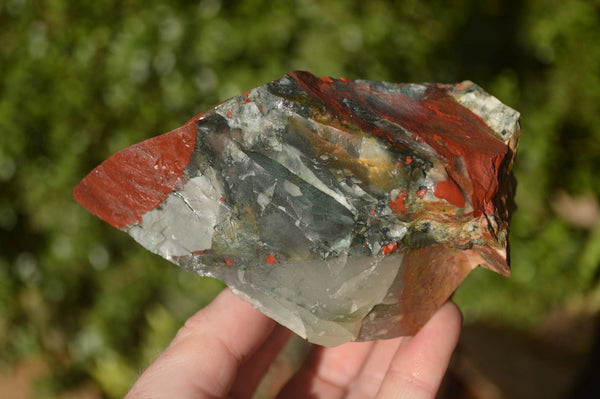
(409, 160)
(222, 199)
(245, 94)
(391, 247)
(366, 245)
(198, 252)
(260, 108)
(228, 261)
(345, 80)
(398, 205)
(271, 260)
(486, 234)
(450, 191)
(372, 212)
(421, 193)
(246, 101)
(327, 79)
(229, 114)
(488, 207)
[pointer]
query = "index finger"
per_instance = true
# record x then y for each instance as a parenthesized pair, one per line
(420, 362)
(202, 360)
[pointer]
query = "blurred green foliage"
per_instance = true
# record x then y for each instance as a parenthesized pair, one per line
(80, 80)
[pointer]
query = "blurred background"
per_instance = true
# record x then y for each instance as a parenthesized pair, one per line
(83, 308)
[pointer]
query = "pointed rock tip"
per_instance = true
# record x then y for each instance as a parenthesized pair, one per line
(139, 178)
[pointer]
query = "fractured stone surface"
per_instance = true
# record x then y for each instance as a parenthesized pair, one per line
(345, 210)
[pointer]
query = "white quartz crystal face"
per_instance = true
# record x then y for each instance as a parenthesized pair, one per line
(184, 223)
(323, 301)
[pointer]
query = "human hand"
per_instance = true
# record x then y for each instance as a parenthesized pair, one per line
(225, 349)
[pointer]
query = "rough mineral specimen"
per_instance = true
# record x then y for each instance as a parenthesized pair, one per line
(345, 210)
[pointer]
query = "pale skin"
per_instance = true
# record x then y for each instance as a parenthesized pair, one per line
(224, 350)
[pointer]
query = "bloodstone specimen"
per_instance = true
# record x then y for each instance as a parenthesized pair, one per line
(345, 210)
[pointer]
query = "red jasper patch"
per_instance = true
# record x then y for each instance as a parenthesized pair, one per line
(271, 260)
(137, 179)
(398, 205)
(450, 191)
(391, 247)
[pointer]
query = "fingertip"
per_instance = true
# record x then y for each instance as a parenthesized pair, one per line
(420, 363)
(451, 315)
(226, 309)
(203, 358)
